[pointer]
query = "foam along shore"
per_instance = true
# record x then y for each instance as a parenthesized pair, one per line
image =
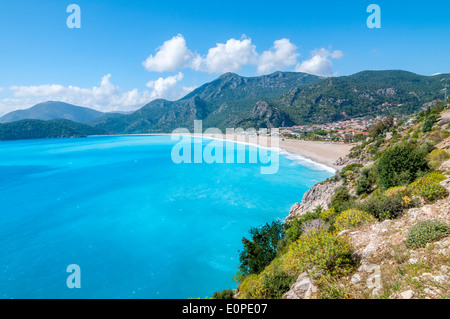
(325, 153)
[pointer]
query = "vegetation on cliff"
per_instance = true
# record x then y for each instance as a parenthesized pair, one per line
(396, 180)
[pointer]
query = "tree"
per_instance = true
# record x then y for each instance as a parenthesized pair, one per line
(400, 165)
(428, 123)
(261, 249)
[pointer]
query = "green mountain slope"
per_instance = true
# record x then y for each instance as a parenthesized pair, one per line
(361, 94)
(283, 99)
(222, 103)
(34, 129)
(51, 111)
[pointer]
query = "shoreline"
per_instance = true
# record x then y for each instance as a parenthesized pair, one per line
(317, 152)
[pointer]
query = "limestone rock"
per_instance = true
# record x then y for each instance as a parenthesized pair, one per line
(319, 195)
(407, 294)
(303, 288)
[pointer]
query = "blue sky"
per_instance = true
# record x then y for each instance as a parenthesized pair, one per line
(187, 43)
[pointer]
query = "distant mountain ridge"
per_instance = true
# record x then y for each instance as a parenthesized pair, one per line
(52, 110)
(283, 99)
(34, 129)
(364, 93)
(222, 103)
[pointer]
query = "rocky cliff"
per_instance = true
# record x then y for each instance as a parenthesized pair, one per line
(319, 195)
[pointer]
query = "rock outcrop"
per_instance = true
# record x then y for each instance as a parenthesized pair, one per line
(303, 288)
(444, 119)
(319, 195)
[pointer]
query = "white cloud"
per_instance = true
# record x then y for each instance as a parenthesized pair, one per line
(283, 54)
(224, 57)
(166, 88)
(234, 54)
(320, 62)
(228, 57)
(105, 97)
(172, 55)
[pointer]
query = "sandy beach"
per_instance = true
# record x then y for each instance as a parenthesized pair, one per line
(326, 153)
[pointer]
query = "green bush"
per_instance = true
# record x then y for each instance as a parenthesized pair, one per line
(428, 123)
(386, 207)
(276, 283)
(352, 218)
(400, 165)
(363, 185)
(399, 190)
(325, 251)
(341, 199)
(352, 167)
(433, 192)
(328, 214)
(437, 157)
(425, 232)
(295, 227)
(428, 187)
(224, 294)
(431, 178)
(252, 288)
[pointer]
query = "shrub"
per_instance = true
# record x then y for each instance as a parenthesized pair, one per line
(371, 149)
(294, 229)
(352, 167)
(363, 185)
(425, 148)
(428, 179)
(437, 157)
(425, 232)
(433, 192)
(399, 190)
(252, 288)
(328, 214)
(341, 199)
(428, 188)
(428, 123)
(400, 165)
(321, 251)
(352, 218)
(224, 294)
(386, 207)
(366, 180)
(276, 283)
(349, 172)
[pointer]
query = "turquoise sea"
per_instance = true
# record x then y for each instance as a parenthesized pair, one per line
(137, 224)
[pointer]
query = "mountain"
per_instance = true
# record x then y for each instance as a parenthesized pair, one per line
(222, 103)
(33, 129)
(361, 94)
(51, 111)
(283, 99)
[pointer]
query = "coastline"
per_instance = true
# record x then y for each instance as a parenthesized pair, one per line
(317, 152)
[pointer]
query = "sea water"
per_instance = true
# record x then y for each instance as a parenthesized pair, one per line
(137, 224)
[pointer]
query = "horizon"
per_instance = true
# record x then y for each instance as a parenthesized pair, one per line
(121, 56)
